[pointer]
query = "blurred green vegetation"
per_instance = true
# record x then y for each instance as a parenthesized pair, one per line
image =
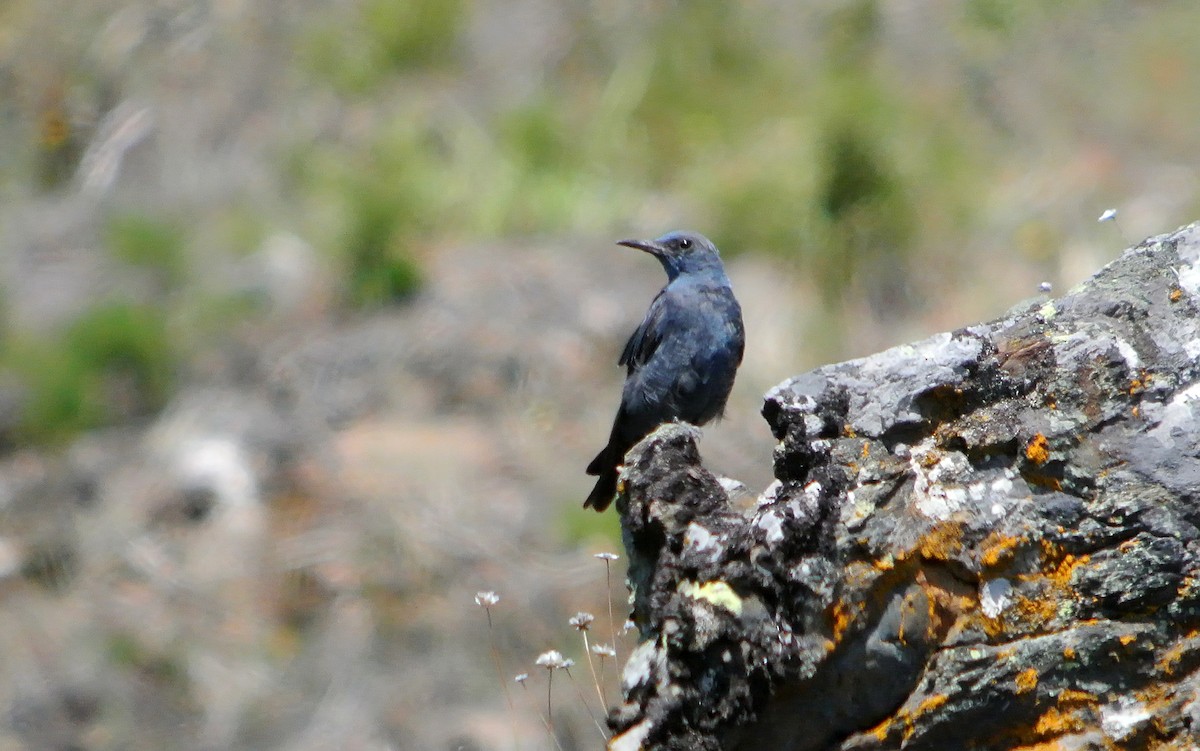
(849, 140)
(580, 527)
(826, 154)
(890, 153)
(385, 203)
(382, 38)
(825, 164)
(164, 670)
(149, 242)
(114, 363)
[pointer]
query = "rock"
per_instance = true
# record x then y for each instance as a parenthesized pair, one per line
(989, 539)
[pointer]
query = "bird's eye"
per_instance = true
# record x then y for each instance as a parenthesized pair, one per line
(685, 243)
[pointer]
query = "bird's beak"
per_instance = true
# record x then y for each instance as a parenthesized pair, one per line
(650, 246)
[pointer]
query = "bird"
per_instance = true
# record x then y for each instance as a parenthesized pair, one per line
(681, 361)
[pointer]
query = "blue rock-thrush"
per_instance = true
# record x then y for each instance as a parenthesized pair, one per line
(682, 360)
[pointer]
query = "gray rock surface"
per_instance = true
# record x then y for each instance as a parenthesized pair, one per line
(985, 540)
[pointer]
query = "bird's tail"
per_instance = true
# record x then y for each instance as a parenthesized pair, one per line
(602, 495)
(604, 465)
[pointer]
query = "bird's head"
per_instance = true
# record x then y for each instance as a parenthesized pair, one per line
(680, 252)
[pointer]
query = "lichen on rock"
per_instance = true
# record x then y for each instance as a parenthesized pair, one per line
(989, 539)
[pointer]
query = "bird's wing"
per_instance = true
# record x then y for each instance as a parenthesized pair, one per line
(646, 338)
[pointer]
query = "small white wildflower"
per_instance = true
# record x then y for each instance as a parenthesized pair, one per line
(629, 626)
(552, 660)
(580, 621)
(1108, 215)
(486, 599)
(607, 556)
(603, 650)
(1045, 287)
(521, 678)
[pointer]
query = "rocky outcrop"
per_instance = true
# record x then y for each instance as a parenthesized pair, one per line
(988, 539)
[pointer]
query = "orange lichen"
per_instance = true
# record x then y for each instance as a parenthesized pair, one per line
(841, 617)
(1171, 658)
(1039, 604)
(880, 731)
(908, 717)
(1069, 653)
(1000, 549)
(848, 432)
(931, 704)
(1035, 611)
(1038, 449)
(1027, 680)
(1061, 574)
(1185, 587)
(1050, 483)
(912, 601)
(908, 606)
(993, 627)
(942, 542)
(866, 449)
(1045, 734)
(1162, 701)
(1072, 712)
(1056, 722)
(1075, 696)
(1052, 745)
(947, 601)
(1127, 639)
(1176, 294)
(1140, 382)
(1058, 574)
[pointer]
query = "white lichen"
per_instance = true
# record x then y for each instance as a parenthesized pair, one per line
(771, 494)
(772, 525)
(994, 596)
(1189, 278)
(699, 539)
(631, 739)
(640, 667)
(1121, 717)
(1128, 354)
(1192, 348)
(812, 491)
(935, 473)
(1178, 416)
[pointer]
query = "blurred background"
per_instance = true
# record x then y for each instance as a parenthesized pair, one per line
(310, 311)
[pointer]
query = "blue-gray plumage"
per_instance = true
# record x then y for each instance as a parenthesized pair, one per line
(682, 360)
